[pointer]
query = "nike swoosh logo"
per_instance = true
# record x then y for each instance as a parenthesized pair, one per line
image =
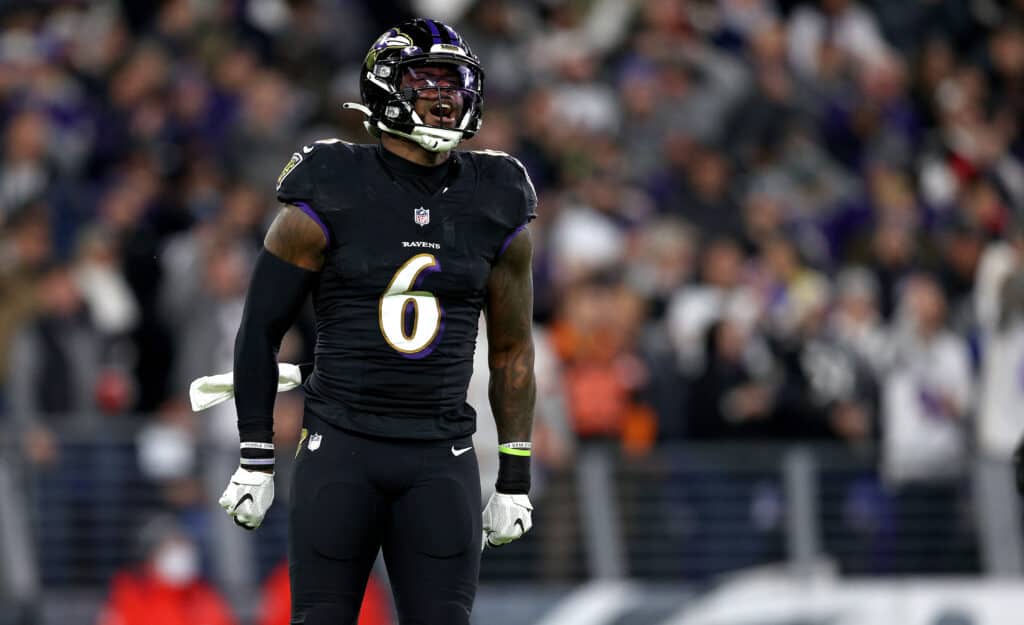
(522, 530)
(242, 500)
(459, 452)
(306, 149)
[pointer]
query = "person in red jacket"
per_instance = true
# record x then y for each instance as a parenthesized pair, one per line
(165, 587)
(277, 601)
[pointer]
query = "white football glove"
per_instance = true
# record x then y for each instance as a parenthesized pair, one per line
(248, 497)
(506, 518)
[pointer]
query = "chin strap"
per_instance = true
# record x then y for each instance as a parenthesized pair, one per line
(430, 139)
(427, 137)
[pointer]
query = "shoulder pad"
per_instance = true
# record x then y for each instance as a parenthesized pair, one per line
(507, 175)
(297, 181)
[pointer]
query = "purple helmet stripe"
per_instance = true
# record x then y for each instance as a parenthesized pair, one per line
(433, 30)
(456, 39)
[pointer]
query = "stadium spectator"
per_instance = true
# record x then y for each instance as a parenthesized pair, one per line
(926, 409)
(727, 399)
(605, 375)
(856, 321)
(999, 306)
(26, 171)
(833, 30)
(25, 245)
(720, 290)
(824, 389)
(165, 587)
(63, 374)
(926, 393)
(56, 356)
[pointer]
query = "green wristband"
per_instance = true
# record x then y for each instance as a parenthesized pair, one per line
(516, 449)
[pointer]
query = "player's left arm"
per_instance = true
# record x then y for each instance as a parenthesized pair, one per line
(509, 311)
(513, 389)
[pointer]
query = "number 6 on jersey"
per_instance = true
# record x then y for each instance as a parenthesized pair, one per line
(426, 311)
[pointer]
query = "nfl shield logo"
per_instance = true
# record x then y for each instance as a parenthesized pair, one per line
(421, 216)
(314, 442)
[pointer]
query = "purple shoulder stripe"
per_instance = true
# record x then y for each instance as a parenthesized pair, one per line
(312, 215)
(508, 240)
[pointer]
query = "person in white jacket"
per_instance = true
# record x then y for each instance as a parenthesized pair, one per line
(999, 307)
(926, 396)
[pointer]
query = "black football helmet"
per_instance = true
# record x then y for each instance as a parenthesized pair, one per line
(398, 54)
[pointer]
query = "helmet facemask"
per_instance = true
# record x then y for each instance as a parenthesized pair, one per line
(435, 104)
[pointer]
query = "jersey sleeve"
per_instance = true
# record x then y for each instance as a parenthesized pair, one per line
(512, 200)
(524, 204)
(515, 202)
(307, 181)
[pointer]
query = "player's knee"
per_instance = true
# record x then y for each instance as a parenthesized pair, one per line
(326, 614)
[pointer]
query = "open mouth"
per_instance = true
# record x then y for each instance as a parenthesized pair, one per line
(443, 114)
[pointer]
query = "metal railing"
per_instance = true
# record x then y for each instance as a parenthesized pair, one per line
(683, 512)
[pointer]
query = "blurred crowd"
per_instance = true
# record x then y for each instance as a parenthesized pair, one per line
(759, 219)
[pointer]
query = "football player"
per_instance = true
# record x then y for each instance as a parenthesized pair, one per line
(401, 244)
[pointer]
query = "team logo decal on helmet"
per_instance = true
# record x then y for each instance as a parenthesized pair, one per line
(391, 39)
(392, 82)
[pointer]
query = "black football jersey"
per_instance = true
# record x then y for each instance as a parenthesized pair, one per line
(399, 297)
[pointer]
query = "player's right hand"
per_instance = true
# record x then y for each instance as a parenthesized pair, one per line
(248, 497)
(506, 518)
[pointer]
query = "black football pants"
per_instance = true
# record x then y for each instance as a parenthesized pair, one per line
(418, 501)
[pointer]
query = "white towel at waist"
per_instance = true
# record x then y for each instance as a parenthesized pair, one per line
(211, 390)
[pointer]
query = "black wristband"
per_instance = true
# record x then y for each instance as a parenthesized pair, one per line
(513, 474)
(256, 454)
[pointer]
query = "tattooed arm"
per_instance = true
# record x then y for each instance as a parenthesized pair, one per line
(509, 310)
(294, 237)
(508, 513)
